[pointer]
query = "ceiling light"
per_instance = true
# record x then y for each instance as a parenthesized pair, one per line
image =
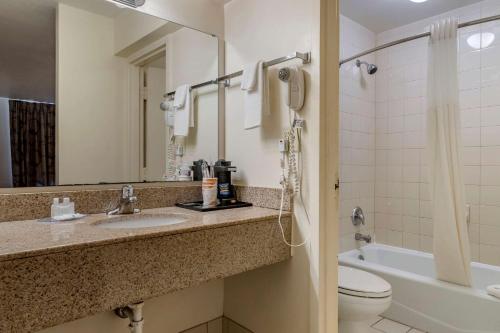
(481, 40)
(418, 1)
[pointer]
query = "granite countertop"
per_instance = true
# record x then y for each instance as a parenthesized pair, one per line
(22, 239)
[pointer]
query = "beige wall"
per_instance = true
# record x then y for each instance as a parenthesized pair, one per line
(129, 27)
(91, 90)
(192, 57)
(204, 15)
(285, 297)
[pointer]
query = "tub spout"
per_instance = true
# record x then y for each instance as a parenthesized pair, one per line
(360, 237)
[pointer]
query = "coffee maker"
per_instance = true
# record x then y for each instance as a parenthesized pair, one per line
(226, 193)
(225, 189)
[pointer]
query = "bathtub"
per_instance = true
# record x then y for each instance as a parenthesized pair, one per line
(422, 301)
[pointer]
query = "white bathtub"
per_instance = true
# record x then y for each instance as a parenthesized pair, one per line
(424, 302)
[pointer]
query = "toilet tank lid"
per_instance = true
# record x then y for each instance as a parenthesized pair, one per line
(361, 281)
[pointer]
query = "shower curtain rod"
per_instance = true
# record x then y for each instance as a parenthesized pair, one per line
(306, 59)
(422, 35)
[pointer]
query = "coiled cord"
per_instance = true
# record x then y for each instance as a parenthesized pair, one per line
(294, 180)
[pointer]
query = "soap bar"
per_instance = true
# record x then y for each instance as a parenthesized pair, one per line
(494, 290)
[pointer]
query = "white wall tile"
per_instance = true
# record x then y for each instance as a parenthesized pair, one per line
(411, 191)
(490, 195)
(490, 56)
(469, 61)
(426, 243)
(394, 238)
(490, 215)
(490, 116)
(471, 118)
(474, 233)
(358, 139)
(490, 96)
(490, 136)
(470, 79)
(490, 175)
(489, 254)
(411, 241)
(414, 106)
(425, 192)
(490, 76)
(471, 137)
(470, 99)
(472, 156)
(472, 175)
(426, 227)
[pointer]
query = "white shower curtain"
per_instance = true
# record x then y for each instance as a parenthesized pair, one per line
(444, 148)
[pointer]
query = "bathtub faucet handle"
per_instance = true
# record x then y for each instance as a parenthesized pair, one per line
(357, 217)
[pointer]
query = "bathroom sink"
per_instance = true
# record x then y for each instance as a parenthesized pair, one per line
(140, 221)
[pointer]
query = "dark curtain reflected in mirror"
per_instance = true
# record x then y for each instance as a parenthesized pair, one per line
(32, 143)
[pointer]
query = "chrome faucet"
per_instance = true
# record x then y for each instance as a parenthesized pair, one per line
(360, 237)
(127, 202)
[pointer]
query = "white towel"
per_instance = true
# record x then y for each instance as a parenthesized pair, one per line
(184, 116)
(250, 74)
(494, 290)
(255, 98)
(180, 96)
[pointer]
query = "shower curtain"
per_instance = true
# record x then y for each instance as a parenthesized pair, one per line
(451, 240)
(32, 140)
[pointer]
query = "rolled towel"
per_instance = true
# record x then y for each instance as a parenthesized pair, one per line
(494, 290)
(250, 75)
(181, 95)
(184, 116)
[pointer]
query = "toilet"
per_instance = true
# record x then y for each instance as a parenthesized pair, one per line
(362, 297)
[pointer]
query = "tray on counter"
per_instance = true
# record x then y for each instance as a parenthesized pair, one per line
(198, 206)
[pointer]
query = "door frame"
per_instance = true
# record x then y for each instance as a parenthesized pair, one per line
(134, 121)
(329, 165)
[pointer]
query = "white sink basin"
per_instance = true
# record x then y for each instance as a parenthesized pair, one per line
(140, 221)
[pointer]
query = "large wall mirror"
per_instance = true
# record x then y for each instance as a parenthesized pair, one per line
(81, 84)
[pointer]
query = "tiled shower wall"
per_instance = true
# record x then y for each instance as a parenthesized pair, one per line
(357, 123)
(402, 203)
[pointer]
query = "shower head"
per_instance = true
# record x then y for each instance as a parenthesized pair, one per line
(370, 68)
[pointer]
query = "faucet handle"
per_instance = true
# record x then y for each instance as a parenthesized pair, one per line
(127, 191)
(357, 216)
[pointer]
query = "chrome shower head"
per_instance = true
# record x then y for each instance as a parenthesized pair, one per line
(370, 68)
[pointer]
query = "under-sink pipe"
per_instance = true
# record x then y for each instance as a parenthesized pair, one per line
(134, 313)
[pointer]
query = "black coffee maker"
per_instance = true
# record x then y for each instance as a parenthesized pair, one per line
(226, 192)
(225, 189)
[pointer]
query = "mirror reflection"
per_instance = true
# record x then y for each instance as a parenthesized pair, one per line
(83, 94)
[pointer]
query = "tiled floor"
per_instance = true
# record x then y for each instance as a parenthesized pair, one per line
(388, 326)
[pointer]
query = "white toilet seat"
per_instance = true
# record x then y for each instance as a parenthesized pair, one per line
(357, 283)
(354, 293)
